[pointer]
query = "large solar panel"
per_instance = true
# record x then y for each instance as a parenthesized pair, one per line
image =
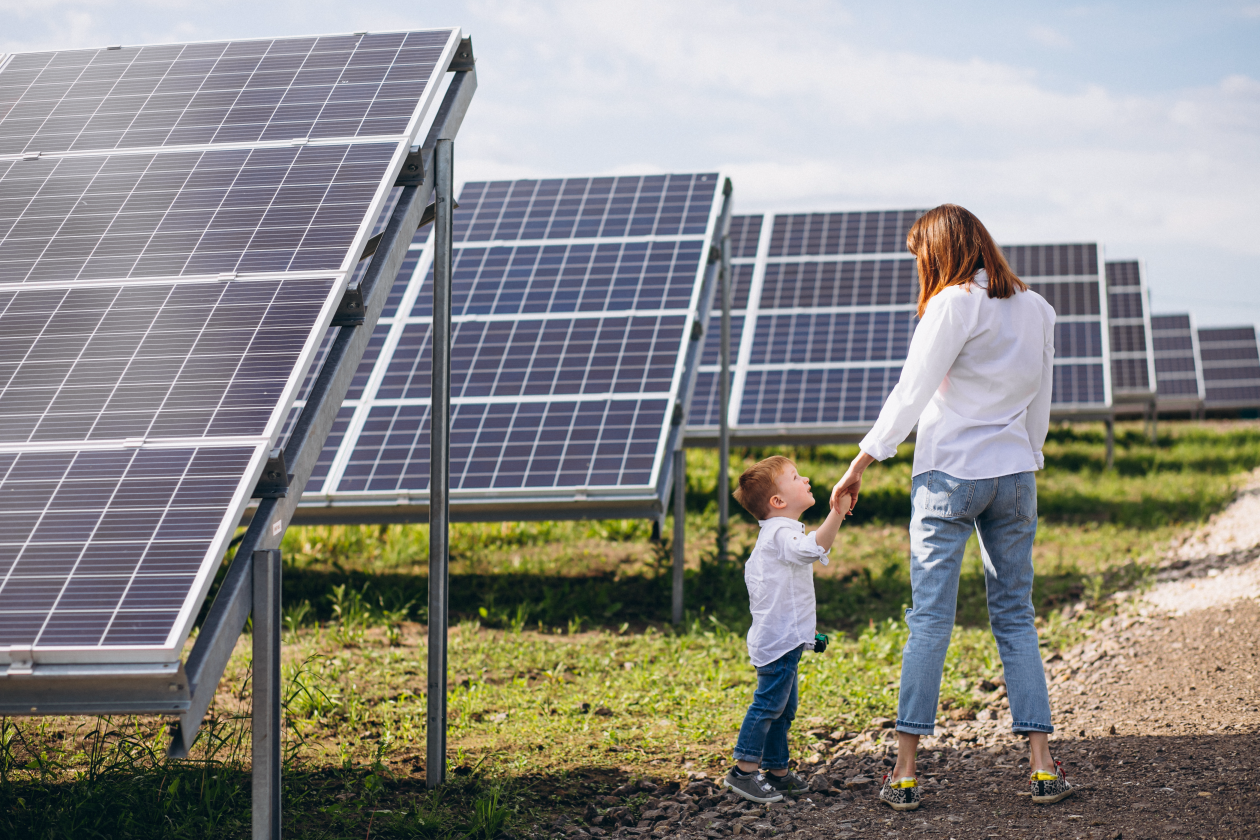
(1178, 367)
(178, 224)
(574, 351)
(823, 312)
(1129, 320)
(1231, 367)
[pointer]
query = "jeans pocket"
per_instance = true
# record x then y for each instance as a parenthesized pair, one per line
(948, 497)
(1026, 497)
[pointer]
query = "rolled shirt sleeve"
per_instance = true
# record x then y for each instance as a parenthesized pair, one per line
(802, 549)
(937, 342)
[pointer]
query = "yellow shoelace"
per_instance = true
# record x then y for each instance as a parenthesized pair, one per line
(1042, 776)
(905, 783)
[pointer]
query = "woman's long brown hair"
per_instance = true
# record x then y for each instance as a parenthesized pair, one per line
(951, 246)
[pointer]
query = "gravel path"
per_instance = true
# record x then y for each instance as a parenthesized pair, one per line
(1158, 723)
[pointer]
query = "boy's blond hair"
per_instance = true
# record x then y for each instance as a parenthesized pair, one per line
(756, 485)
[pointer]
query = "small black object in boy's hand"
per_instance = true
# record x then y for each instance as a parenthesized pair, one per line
(820, 642)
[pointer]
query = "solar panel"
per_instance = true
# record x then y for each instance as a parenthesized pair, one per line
(575, 308)
(1128, 318)
(1178, 367)
(827, 311)
(178, 225)
(1231, 367)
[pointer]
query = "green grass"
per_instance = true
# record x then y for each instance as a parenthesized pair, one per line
(559, 623)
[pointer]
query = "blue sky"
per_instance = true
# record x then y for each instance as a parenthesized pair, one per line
(1136, 124)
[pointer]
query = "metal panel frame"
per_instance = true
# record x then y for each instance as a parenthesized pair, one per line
(188, 688)
(1136, 401)
(1224, 405)
(633, 502)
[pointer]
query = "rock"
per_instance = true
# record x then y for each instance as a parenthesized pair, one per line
(985, 686)
(883, 723)
(647, 784)
(604, 711)
(697, 788)
(626, 790)
(859, 783)
(819, 783)
(962, 714)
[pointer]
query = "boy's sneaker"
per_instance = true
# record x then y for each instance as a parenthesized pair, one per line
(754, 787)
(902, 795)
(787, 783)
(1050, 787)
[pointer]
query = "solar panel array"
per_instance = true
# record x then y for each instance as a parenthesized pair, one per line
(1129, 319)
(1178, 367)
(177, 224)
(1231, 367)
(573, 309)
(823, 312)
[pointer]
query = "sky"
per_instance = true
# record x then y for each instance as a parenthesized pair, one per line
(1135, 124)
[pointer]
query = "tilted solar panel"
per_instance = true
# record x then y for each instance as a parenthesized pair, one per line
(1178, 367)
(1132, 359)
(575, 308)
(825, 312)
(1231, 367)
(178, 225)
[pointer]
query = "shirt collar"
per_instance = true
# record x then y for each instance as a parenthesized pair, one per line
(782, 522)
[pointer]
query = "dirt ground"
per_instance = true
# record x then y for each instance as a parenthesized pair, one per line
(1158, 726)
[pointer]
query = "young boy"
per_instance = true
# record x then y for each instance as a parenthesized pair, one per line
(780, 578)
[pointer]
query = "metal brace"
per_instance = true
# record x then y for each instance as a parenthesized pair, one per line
(677, 418)
(412, 173)
(464, 59)
(274, 482)
(427, 217)
(697, 330)
(350, 311)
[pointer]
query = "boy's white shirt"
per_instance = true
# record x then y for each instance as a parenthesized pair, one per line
(780, 578)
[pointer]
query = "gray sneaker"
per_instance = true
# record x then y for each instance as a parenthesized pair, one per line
(787, 783)
(754, 787)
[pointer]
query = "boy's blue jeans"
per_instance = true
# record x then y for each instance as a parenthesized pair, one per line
(764, 735)
(1003, 511)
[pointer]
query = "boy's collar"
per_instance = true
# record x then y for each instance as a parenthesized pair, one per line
(780, 520)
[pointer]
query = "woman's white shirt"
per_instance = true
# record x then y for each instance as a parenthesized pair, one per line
(780, 578)
(977, 380)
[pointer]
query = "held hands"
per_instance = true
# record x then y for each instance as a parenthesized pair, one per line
(844, 495)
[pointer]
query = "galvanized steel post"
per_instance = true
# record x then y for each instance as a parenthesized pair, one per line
(266, 688)
(439, 467)
(680, 530)
(724, 399)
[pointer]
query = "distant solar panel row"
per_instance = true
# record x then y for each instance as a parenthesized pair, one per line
(160, 305)
(1132, 360)
(824, 310)
(1178, 369)
(1231, 367)
(573, 302)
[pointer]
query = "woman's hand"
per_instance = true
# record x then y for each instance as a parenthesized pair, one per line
(851, 483)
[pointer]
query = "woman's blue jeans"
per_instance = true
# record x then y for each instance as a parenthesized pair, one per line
(764, 735)
(1003, 511)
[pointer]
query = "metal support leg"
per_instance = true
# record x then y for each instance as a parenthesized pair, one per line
(1154, 424)
(439, 468)
(266, 679)
(724, 399)
(680, 530)
(1111, 442)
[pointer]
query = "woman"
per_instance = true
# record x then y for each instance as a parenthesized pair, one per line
(977, 381)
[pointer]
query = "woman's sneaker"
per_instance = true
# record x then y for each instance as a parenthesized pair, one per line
(902, 795)
(754, 787)
(1050, 787)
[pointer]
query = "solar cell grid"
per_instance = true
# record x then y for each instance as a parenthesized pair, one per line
(166, 278)
(179, 214)
(1052, 260)
(102, 547)
(858, 283)
(565, 360)
(1178, 374)
(827, 338)
(653, 205)
(231, 92)
(745, 234)
(877, 232)
(186, 360)
(1231, 367)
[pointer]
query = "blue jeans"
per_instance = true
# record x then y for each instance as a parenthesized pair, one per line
(1003, 511)
(764, 735)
